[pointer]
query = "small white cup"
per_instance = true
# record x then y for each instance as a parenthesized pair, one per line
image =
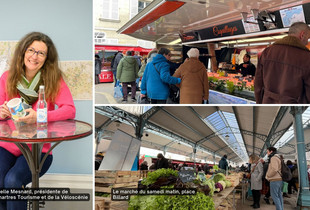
(16, 108)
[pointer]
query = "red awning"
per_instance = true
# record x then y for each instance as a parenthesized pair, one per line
(122, 48)
(164, 9)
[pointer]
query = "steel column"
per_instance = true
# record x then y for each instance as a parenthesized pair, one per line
(304, 193)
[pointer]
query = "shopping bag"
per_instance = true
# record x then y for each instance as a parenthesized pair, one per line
(118, 91)
(143, 100)
(174, 93)
(285, 187)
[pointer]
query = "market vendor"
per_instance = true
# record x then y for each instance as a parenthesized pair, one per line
(247, 68)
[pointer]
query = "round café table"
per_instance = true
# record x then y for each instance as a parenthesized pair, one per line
(30, 140)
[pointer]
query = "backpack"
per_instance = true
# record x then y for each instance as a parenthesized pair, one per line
(295, 173)
(286, 173)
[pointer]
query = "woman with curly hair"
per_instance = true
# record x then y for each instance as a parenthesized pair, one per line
(35, 63)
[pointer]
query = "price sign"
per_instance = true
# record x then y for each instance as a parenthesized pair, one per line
(187, 175)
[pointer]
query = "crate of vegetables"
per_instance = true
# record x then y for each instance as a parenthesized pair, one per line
(171, 179)
(106, 180)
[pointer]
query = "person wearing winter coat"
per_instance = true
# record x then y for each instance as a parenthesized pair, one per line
(282, 75)
(274, 177)
(156, 78)
(144, 166)
(246, 68)
(138, 59)
(257, 172)
(194, 87)
(293, 181)
(127, 72)
(97, 68)
(117, 58)
(162, 162)
(149, 59)
(223, 164)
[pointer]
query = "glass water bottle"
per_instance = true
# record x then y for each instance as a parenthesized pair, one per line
(42, 108)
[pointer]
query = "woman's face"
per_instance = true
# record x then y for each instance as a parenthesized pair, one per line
(35, 56)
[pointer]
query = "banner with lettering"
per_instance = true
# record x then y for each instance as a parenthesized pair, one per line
(189, 37)
(218, 31)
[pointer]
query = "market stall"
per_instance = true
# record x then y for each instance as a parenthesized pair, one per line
(224, 29)
(106, 54)
(209, 132)
(149, 195)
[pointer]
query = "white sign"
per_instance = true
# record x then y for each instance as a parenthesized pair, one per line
(121, 153)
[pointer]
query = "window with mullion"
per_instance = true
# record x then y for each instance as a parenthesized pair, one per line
(110, 9)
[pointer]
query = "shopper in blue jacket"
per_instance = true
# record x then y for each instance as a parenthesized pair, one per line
(156, 78)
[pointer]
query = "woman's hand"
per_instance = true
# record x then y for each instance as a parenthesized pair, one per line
(4, 111)
(30, 118)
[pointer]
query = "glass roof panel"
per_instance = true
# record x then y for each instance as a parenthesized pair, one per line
(225, 125)
(136, 110)
(290, 133)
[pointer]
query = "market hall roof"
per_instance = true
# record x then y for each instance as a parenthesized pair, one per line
(163, 21)
(235, 131)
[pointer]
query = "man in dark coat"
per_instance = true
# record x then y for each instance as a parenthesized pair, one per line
(116, 61)
(247, 68)
(137, 57)
(223, 164)
(144, 166)
(282, 75)
(162, 162)
(97, 68)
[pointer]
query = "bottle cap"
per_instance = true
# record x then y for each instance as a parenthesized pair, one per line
(41, 86)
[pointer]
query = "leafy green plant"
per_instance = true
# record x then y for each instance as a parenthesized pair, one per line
(174, 202)
(153, 176)
(220, 85)
(211, 79)
(230, 86)
(240, 86)
(101, 194)
(221, 73)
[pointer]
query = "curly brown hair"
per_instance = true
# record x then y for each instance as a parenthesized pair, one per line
(50, 72)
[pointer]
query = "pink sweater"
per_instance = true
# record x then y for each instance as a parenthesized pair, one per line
(64, 101)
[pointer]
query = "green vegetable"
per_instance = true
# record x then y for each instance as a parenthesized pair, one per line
(166, 202)
(101, 194)
(210, 183)
(219, 177)
(174, 202)
(215, 167)
(153, 176)
(228, 183)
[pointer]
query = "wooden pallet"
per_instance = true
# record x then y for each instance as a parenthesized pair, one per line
(107, 204)
(101, 187)
(106, 180)
(102, 203)
(143, 174)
